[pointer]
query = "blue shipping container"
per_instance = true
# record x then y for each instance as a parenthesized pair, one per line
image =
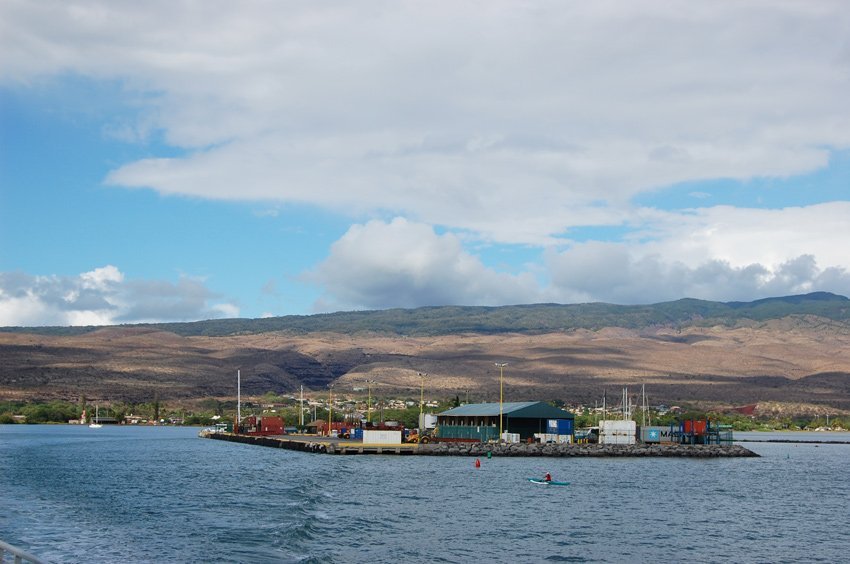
(560, 426)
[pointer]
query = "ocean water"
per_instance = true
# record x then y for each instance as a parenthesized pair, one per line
(161, 494)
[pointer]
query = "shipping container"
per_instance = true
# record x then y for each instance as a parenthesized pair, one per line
(559, 426)
(615, 432)
(261, 426)
(271, 425)
(656, 434)
(381, 437)
(694, 427)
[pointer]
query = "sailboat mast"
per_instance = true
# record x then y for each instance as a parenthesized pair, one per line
(238, 397)
(604, 414)
(626, 411)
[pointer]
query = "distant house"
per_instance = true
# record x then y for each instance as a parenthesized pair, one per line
(312, 428)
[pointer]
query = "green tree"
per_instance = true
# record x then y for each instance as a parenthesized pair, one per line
(52, 412)
(408, 417)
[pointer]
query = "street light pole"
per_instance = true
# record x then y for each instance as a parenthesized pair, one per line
(369, 403)
(422, 376)
(501, 366)
(330, 408)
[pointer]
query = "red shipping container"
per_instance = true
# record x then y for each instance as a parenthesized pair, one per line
(271, 426)
(253, 425)
(695, 427)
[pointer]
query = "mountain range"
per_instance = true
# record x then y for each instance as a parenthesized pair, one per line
(790, 350)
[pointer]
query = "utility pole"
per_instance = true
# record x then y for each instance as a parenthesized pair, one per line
(330, 408)
(369, 402)
(501, 366)
(421, 399)
(604, 404)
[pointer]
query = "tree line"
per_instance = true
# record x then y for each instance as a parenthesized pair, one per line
(210, 410)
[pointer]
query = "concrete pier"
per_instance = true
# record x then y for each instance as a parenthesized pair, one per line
(317, 445)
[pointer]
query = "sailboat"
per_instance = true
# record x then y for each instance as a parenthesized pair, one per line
(95, 422)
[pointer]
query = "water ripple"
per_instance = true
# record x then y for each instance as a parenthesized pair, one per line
(161, 494)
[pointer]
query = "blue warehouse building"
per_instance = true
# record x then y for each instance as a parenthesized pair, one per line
(480, 421)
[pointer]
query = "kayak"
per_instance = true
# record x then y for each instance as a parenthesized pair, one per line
(543, 482)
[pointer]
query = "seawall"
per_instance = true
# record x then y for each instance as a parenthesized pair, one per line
(579, 450)
(304, 444)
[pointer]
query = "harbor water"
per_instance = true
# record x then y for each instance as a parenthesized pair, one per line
(161, 494)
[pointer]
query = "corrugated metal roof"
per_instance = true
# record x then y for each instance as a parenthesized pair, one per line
(530, 409)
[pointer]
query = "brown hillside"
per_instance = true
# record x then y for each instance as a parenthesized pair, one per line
(777, 361)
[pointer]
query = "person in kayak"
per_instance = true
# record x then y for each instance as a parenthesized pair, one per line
(547, 477)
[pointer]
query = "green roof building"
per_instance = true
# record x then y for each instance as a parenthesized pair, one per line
(480, 421)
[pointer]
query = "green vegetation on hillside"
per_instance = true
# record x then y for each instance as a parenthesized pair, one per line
(537, 318)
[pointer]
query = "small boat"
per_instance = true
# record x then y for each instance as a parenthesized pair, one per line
(543, 482)
(95, 422)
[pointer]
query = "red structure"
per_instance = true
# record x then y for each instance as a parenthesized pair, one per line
(749, 410)
(696, 427)
(340, 427)
(701, 432)
(260, 426)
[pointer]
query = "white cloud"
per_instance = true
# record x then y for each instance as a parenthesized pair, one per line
(743, 236)
(510, 120)
(720, 253)
(406, 264)
(101, 278)
(608, 273)
(498, 122)
(103, 297)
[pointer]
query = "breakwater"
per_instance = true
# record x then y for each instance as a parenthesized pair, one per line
(795, 441)
(579, 450)
(304, 444)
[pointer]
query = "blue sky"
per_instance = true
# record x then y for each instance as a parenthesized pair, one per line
(177, 161)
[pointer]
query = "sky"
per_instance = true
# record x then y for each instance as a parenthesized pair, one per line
(179, 160)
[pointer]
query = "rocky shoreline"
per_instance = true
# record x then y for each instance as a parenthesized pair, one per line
(588, 450)
(490, 449)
